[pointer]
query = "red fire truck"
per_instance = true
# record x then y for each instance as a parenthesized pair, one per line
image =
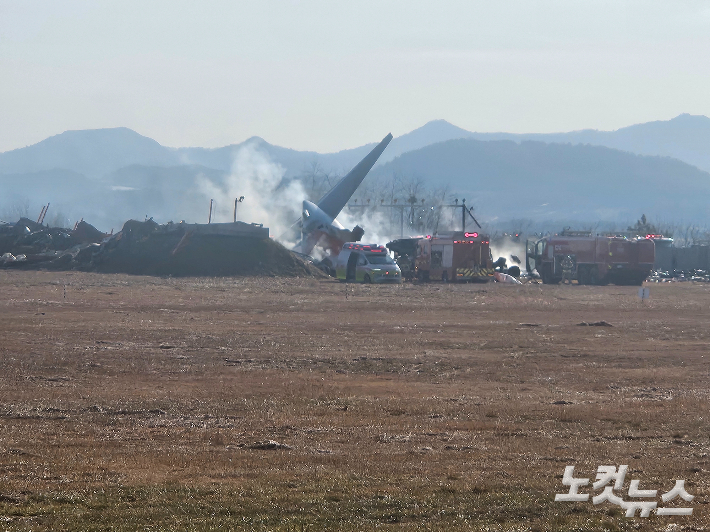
(590, 259)
(455, 256)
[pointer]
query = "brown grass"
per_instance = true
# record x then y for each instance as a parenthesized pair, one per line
(135, 402)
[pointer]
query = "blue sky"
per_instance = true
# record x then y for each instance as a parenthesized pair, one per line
(325, 75)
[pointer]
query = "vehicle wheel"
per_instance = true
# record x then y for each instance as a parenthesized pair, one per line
(367, 279)
(514, 271)
(445, 277)
(592, 276)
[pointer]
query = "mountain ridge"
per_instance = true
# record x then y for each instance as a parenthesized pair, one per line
(96, 152)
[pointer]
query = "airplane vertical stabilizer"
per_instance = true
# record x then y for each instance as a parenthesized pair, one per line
(334, 201)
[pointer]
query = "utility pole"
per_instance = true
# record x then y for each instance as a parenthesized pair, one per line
(209, 220)
(401, 221)
(463, 214)
(237, 200)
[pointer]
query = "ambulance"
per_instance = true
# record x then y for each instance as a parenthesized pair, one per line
(366, 263)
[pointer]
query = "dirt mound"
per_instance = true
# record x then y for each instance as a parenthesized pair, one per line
(146, 248)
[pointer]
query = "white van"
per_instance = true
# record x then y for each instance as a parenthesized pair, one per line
(366, 263)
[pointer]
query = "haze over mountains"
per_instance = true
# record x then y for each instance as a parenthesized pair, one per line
(659, 168)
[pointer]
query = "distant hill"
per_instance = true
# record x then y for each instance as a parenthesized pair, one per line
(685, 137)
(293, 161)
(96, 153)
(505, 179)
(430, 133)
(71, 195)
(92, 152)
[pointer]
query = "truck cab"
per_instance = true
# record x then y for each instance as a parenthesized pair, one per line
(366, 263)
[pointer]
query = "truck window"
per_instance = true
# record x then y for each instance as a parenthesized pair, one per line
(540, 247)
(361, 261)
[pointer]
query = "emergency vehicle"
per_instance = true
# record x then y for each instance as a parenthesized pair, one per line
(455, 256)
(366, 263)
(591, 259)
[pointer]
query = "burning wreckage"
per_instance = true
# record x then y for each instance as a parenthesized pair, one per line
(181, 249)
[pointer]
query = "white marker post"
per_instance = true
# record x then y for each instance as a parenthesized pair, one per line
(644, 293)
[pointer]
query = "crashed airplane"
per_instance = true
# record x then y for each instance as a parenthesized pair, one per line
(318, 225)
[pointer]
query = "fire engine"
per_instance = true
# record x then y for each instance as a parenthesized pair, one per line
(590, 259)
(455, 256)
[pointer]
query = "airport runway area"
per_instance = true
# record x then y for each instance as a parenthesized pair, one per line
(260, 404)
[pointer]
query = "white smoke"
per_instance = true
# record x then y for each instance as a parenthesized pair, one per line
(375, 223)
(507, 248)
(276, 203)
(267, 199)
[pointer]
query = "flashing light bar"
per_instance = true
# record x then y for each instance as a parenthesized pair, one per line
(474, 235)
(364, 247)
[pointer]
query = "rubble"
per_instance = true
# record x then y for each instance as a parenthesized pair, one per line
(9, 257)
(147, 248)
(28, 244)
(665, 276)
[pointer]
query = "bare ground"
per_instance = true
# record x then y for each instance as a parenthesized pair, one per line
(268, 404)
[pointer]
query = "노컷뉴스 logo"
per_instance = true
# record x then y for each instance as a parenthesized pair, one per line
(609, 479)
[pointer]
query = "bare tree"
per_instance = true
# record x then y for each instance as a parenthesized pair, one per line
(316, 180)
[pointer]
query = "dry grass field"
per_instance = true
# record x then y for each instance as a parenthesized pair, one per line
(137, 403)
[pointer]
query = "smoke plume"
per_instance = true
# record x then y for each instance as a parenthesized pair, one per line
(268, 199)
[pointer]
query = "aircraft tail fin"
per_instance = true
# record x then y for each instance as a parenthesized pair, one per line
(334, 201)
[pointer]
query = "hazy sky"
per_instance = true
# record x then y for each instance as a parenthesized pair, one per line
(328, 75)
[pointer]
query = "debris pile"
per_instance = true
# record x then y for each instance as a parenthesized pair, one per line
(661, 276)
(28, 244)
(147, 248)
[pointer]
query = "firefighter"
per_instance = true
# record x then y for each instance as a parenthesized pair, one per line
(567, 265)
